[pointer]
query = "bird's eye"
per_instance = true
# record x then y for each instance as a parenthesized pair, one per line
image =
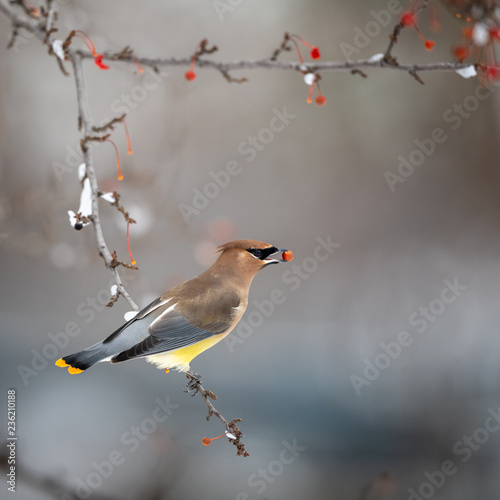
(256, 252)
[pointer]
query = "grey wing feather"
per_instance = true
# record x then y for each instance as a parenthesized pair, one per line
(174, 332)
(171, 332)
(140, 315)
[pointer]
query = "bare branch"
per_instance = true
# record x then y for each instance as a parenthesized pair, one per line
(310, 67)
(393, 37)
(359, 72)
(121, 208)
(19, 21)
(29, 10)
(207, 396)
(111, 124)
(92, 138)
(231, 79)
(50, 19)
(115, 262)
(284, 47)
(127, 56)
(86, 123)
(415, 75)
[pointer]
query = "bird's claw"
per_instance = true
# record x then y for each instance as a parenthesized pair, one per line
(192, 385)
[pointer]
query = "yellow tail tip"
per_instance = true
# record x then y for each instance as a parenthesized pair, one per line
(71, 369)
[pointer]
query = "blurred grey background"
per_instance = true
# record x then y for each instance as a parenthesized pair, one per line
(306, 374)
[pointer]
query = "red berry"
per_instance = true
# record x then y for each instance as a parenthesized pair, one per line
(467, 32)
(493, 72)
(460, 52)
(320, 100)
(315, 53)
(190, 75)
(495, 33)
(98, 61)
(408, 19)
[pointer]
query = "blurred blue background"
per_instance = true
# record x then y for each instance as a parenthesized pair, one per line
(313, 374)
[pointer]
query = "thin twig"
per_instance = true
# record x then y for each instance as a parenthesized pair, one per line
(225, 66)
(19, 21)
(121, 208)
(393, 39)
(92, 138)
(26, 22)
(51, 17)
(310, 67)
(208, 397)
(86, 123)
(29, 10)
(111, 124)
(284, 47)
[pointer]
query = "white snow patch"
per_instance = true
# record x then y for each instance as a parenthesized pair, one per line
(376, 57)
(309, 78)
(480, 34)
(467, 72)
(82, 171)
(85, 209)
(109, 197)
(86, 199)
(57, 47)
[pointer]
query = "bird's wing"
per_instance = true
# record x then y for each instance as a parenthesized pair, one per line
(140, 315)
(171, 330)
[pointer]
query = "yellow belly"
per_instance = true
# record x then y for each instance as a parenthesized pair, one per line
(179, 359)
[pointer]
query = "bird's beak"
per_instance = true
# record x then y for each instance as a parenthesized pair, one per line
(281, 255)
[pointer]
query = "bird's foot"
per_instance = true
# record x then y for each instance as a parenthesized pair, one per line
(194, 380)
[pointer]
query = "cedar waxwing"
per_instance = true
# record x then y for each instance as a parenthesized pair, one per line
(191, 317)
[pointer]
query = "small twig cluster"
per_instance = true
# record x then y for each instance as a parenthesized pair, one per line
(233, 432)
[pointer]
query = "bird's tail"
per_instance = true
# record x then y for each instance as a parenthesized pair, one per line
(80, 361)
